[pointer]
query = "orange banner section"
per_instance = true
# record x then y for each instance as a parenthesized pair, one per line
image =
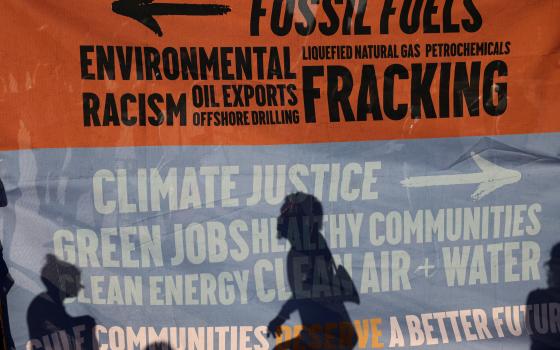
(106, 74)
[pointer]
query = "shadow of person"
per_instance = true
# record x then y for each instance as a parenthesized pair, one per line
(6, 283)
(158, 346)
(50, 326)
(319, 288)
(542, 317)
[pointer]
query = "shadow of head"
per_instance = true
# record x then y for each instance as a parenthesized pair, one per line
(3, 197)
(62, 277)
(553, 265)
(301, 215)
(158, 346)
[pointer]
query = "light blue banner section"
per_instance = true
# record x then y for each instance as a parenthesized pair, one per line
(213, 211)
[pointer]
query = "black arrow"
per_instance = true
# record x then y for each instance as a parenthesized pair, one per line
(144, 10)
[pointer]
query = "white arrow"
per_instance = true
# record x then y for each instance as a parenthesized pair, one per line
(490, 178)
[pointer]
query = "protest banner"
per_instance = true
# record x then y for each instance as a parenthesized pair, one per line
(149, 150)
